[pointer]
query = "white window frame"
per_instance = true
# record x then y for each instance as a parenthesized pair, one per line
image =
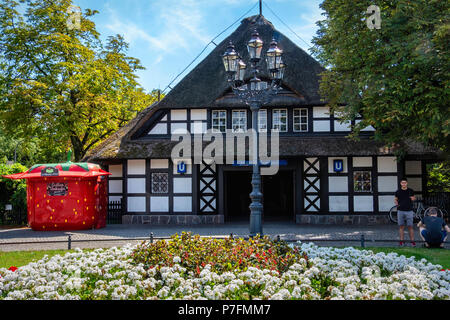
(299, 118)
(262, 119)
(276, 124)
(215, 114)
(240, 117)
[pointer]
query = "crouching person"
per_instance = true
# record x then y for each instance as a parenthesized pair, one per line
(433, 230)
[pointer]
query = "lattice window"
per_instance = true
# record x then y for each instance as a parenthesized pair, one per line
(239, 120)
(262, 120)
(160, 182)
(362, 181)
(219, 120)
(280, 120)
(301, 120)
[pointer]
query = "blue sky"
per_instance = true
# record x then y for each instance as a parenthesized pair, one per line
(167, 35)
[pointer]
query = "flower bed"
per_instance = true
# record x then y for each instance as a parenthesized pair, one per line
(187, 268)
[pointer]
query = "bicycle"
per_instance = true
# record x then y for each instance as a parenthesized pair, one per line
(419, 212)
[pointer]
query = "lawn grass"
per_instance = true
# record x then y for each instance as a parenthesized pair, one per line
(21, 258)
(434, 256)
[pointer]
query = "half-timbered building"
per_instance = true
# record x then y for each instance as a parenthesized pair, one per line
(323, 177)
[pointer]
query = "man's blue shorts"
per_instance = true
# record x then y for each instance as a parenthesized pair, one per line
(426, 235)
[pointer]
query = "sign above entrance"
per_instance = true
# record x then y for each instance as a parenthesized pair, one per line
(49, 172)
(338, 165)
(261, 163)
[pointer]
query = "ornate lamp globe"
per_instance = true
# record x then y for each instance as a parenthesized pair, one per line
(230, 59)
(273, 56)
(241, 71)
(278, 74)
(254, 46)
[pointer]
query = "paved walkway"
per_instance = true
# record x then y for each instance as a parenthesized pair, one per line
(328, 235)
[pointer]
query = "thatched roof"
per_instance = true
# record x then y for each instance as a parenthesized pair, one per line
(206, 86)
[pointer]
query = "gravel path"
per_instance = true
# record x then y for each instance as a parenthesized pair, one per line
(328, 235)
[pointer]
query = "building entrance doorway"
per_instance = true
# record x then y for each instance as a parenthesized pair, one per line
(278, 196)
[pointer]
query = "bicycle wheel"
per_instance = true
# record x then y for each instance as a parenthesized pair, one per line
(440, 214)
(393, 214)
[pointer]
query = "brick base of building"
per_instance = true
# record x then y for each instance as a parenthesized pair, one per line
(342, 219)
(173, 219)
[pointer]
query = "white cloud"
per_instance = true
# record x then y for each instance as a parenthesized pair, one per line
(172, 27)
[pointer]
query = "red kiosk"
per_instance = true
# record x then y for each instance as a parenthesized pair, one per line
(65, 196)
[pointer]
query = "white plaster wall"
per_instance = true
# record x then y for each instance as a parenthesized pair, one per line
(182, 204)
(368, 128)
(321, 125)
(362, 162)
(311, 170)
(115, 186)
(321, 112)
(159, 204)
(387, 164)
(385, 203)
(178, 114)
(415, 184)
(338, 184)
(346, 126)
(331, 164)
(198, 114)
(213, 203)
(182, 185)
(180, 128)
(211, 186)
(159, 164)
(307, 182)
(413, 167)
(136, 185)
(136, 166)
(362, 203)
(198, 127)
(136, 204)
(338, 203)
(159, 128)
(387, 183)
(116, 170)
(307, 203)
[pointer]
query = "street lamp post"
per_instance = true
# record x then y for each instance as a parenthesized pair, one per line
(255, 95)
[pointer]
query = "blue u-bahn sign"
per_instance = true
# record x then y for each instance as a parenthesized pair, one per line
(181, 167)
(338, 165)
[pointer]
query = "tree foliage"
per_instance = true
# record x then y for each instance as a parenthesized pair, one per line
(439, 177)
(396, 77)
(63, 84)
(12, 191)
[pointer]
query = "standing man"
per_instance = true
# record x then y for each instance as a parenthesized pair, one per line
(404, 198)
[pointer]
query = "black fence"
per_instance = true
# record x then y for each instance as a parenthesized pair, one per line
(115, 212)
(17, 216)
(362, 241)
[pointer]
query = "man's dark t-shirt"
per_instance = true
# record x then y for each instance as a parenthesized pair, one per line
(404, 200)
(434, 227)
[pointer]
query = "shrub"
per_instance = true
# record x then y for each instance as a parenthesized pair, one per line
(231, 254)
(12, 191)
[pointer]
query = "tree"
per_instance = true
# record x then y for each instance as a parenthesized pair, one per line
(61, 83)
(12, 191)
(395, 77)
